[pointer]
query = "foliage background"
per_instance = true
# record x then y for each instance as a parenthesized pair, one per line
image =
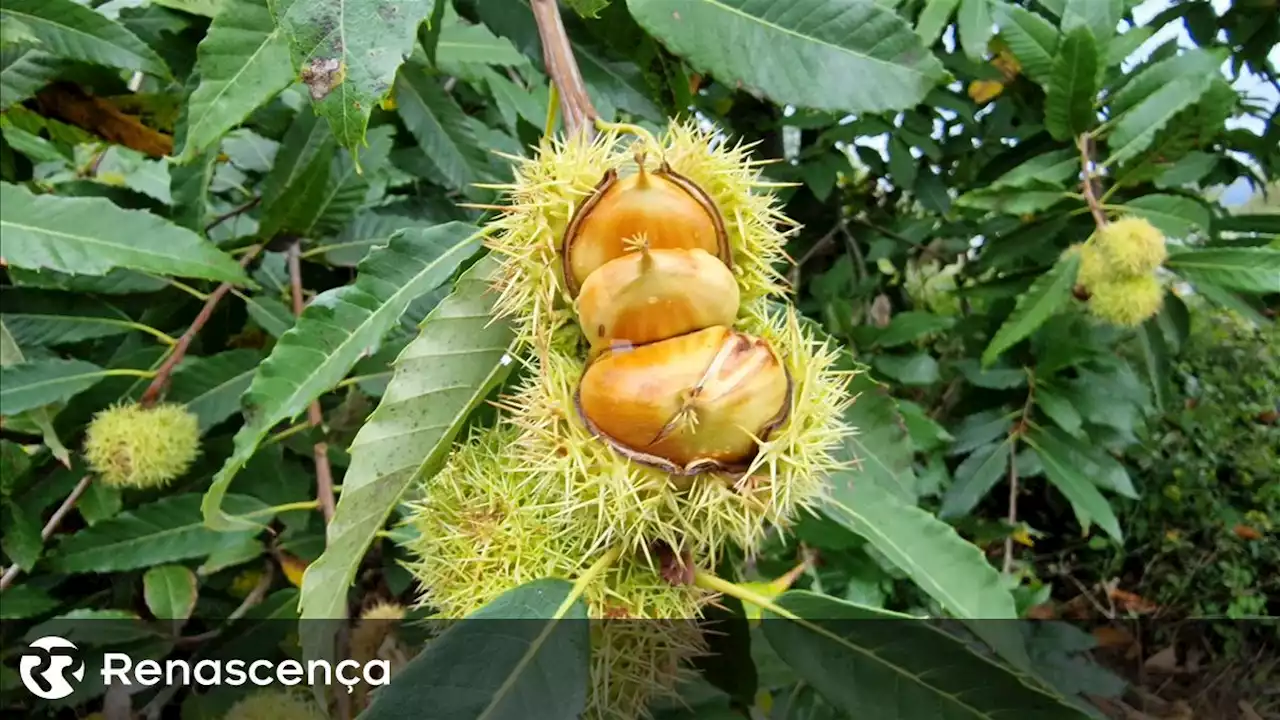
(1017, 457)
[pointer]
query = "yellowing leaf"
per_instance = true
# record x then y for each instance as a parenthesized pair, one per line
(293, 568)
(984, 91)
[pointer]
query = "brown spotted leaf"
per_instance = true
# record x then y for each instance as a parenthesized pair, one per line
(347, 52)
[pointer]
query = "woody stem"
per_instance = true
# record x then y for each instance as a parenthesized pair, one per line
(562, 67)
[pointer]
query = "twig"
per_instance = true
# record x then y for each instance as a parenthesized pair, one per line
(179, 351)
(852, 242)
(557, 54)
(1017, 431)
(1013, 507)
(324, 473)
(1108, 614)
(255, 596)
(1085, 144)
(821, 245)
(232, 213)
(50, 527)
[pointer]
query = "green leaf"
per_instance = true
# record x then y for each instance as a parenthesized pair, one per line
(917, 369)
(167, 530)
(1068, 103)
(37, 383)
(1089, 504)
(211, 386)
(1054, 168)
(1150, 80)
(40, 317)
(537, 649)
(1188, 170)
(1048, 294)
(514, 101)
(91, 236)
(439, 126)
(189, 187)
(348, 52)
(1224, 298)
(933, 20)
(1176, 216)
(301, 165)
(1099, 17)
(21, 541)
(1125, 44)
(243, 62)
(1059, 409)
(881, 446)
(588, 8)
(1156, 360)
(1010, 202)
(801, 53)
(271, 314)
(459, 356)
(115, 282)
(948, 568)
(1093, 461)
(99, 502)
(42, 417)
(334, 331)
(975, 477)
(170, 592)
(906, 327)
(975, 25)
(1259, 223)
(23, 72)
(67, 29)
(205, 8)
(463, 44)
(1252, 270)
(1031, 38)
(24, 601)
(1137, 126)
(314, 190)
(991, 378)
(864, 660)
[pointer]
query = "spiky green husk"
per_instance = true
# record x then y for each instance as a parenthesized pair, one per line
(1126, 302)
(1131, 246)
(1093, 266)
(137, 447)
(539, 496)
(562, 173)
(633, 505)
(275, 705)
(485, 527)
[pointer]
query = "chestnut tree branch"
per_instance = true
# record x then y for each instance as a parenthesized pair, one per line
(1018, 431)
(179, 351)
(11, 573)
(562, 67)
(1085, 144)
(324, 473)
(234, 212)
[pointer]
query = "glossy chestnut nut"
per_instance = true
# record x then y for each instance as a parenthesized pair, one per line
(649, 295)
(690, 404)
(662, 206)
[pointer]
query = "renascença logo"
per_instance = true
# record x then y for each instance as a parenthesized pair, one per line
(45, 665)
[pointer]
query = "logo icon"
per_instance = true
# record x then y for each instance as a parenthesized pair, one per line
(45, 665)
